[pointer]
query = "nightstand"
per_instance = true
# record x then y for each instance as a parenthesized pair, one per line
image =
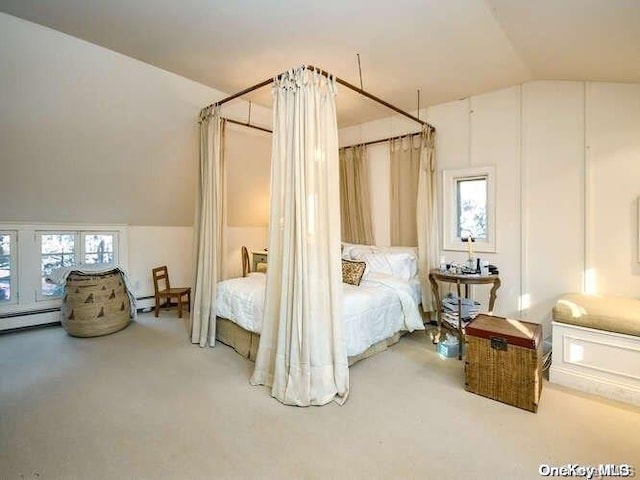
(436, 276)
(257, 257)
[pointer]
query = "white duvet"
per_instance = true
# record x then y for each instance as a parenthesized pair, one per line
(376, 309)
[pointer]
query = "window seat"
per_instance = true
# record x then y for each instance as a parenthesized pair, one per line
(596, 345)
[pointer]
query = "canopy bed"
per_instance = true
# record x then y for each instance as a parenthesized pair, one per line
(375, 313)
(300, 323)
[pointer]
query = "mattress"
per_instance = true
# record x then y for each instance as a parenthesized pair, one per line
(375, 310)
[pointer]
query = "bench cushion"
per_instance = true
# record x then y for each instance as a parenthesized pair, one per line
(612, 314)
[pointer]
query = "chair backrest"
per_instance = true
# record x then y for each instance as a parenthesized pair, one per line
(160, 274)
(246, 265)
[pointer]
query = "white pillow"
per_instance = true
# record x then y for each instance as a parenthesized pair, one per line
(352, 251)
(377, 263)
(403, 266)
(413, 251)
(346, 250)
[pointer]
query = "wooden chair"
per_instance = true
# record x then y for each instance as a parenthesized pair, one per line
(161, 275)
(246, 263)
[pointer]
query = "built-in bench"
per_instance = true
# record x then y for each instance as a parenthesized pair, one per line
(596, 345)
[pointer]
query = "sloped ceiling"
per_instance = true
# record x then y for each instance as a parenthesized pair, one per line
(448, 49)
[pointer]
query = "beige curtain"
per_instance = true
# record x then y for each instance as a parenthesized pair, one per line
(302, 354)
(427, 217)
(208, 227)
(355, 202)
(404, 168)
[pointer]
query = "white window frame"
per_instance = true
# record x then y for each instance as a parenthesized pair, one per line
(450, 179)
(13, 267)
(27, 310)
(38, 240)
(86, 233)
(78, 252)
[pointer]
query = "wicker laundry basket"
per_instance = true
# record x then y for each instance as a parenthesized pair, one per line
(95, 304)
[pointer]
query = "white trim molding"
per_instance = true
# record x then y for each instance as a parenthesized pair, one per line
(28, 269)
(450, 237)
(596, 361)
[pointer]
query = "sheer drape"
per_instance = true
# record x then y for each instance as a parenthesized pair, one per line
(404, 168)
(355, 202)
(208, 227)
(302, 354)
(427, 218)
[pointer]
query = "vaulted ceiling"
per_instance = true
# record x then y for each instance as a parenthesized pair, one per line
(448, 49)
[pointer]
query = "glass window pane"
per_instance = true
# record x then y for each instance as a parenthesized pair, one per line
(5, 278)
(57, 250)
(5, 289)
(5, 268)
(51, 289)
(98, 248)
(472, 208)
(51, 262)
(5, 244)
(58, 243)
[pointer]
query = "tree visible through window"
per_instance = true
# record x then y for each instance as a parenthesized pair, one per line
(30, 254)
(57, 250)
(469, 209)
(5, 267)
(66, 249)
(472, 208)
(98, 248)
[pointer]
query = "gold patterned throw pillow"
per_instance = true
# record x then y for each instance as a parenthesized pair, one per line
(352, 271)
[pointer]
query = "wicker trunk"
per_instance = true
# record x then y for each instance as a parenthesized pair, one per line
(503, 360)
(95, 304)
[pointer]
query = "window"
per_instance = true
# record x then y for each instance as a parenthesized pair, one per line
(29, 252)
(8, 264)
(56, 250)
(98, 247)
(64, 249)
(469, 209)
(471, 213)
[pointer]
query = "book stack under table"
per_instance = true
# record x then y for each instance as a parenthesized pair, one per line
(454, 308)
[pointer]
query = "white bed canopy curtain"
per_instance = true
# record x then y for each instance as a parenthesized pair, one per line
(208, 226)
(355, 203)
(413, 201)
(302, 354)
(426, 215)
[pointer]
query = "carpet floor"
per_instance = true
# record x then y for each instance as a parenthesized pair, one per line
(144, 403)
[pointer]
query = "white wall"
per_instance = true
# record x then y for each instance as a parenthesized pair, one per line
(248, 161)
(613, 154)
(567, 159)
(553, 194)
(85, 131)
(90, 136)
(248, 170)
(151, 247)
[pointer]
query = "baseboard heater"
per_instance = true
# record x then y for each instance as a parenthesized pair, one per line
(29, 312)
(52, 310)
